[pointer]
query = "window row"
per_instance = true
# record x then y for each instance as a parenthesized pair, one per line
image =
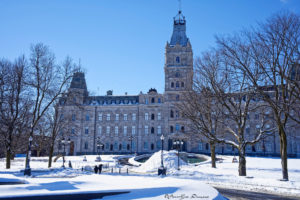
(117, 117)
(152, 116)
(153, 100)
(115, 146)
(178, 128)
(116, 130)
(177, 84)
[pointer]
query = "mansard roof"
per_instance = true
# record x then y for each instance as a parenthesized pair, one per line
(179, 31)
(111, 100)
(78, 81)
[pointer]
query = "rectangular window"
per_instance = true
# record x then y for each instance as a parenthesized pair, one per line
(116, 131)
(86, 130)
(100, 130)
(108, 130)
(133, 117)
(125, 130)
(73, 131)
(159, 130)
(133, 130)
(158, 116)
(73, 117)
(146, 116)
(200, 146)
(86, 145)
(177, 127)
(100, 116)
(158, 145)
(125, 117)
(117, 117)
(87, 117)
(146, 129)
(108, 117)
(146, 145)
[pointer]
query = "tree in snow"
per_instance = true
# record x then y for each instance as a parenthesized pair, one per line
(14, 104)
(269, 55)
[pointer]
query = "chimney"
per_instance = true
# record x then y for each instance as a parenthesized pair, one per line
(109, 93)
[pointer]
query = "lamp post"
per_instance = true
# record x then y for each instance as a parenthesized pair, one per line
(64, 142)
(162, 149)
(162, 169)
(131, 139)
(99, 146)
(27, 170)
(178, 144)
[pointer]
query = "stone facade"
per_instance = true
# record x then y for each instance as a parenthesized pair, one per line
(124, 124)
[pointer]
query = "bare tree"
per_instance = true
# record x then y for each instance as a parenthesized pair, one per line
(13, 102)
(271, 49)
(48, 82)
(222, 114)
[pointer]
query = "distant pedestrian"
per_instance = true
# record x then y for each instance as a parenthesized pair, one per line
(70, 164)
(96, 169)
(100, 168)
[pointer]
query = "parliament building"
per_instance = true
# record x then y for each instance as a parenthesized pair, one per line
(120, 124)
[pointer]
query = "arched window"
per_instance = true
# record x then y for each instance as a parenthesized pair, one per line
(177, 84)
(172, 85)
(153, 100)
(152, 146)
(182, 129)
(172, 114)
(253, 148)
(152, 116)
(128, 147)
(178, 59)
(120, 147)
(111, 147)
(182, 84)
(152, 130)
(206, 146)
(171, 129)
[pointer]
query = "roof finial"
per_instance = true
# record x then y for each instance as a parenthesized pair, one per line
(179, 5)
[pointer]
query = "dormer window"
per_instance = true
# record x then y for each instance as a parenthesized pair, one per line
(177, 59)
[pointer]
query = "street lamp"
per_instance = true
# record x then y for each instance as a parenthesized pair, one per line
(178, 144)
(131, 139)
(162, 170)
(99, 146)
(64, 142)
(162, 149)
(27, 170)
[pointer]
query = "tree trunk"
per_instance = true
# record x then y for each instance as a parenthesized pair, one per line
(213, 154)
(50, 156)
(8, 158)
(283, 154)
(242, 162)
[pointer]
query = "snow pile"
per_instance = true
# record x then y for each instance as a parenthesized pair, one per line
(9, 178)
(170, 159)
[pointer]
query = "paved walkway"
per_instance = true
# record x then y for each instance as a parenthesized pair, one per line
(233, 194)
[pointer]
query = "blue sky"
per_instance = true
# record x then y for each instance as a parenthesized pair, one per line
(121, 42)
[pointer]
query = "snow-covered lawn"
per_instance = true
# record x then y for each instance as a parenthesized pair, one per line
(263, 174)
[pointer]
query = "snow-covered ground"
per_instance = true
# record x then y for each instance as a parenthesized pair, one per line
(263, 174)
